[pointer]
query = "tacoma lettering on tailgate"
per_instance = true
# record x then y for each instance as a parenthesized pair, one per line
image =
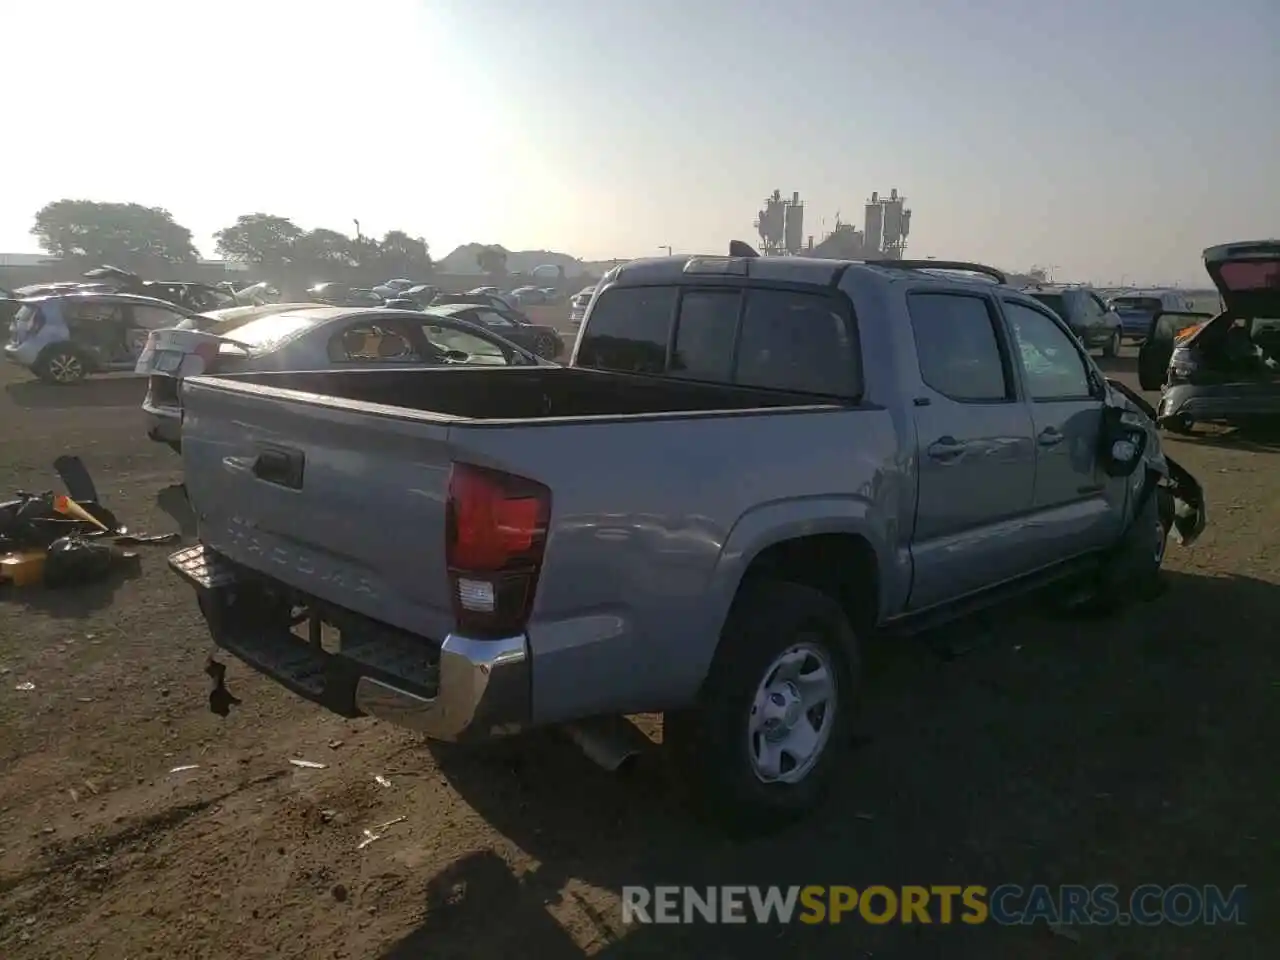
(313, 566)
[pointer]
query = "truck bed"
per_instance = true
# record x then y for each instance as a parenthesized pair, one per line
(336, 485)
(525, 393)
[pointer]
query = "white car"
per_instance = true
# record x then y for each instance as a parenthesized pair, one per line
(578, 304)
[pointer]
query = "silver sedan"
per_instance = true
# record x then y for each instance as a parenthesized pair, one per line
(311, 338)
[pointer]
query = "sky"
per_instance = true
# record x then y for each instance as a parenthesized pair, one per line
(1108, 140)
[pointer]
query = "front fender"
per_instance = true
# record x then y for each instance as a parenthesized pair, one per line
(1190, 514)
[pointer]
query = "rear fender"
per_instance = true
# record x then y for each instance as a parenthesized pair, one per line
(773, 523)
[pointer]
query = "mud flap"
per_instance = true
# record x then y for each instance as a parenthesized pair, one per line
(1189, 512)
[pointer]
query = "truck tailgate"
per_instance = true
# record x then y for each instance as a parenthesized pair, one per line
(345, 505)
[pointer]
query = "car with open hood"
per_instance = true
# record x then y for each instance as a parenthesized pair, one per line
(1226, 368)
(310, 338)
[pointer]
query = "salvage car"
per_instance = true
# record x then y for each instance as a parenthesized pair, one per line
(343, 295)
(1227, 370)
(578, 304)
(1165, 331)
(64, 337)
(543, 340)
(307, 337)
(750, 467)
(1086, 313)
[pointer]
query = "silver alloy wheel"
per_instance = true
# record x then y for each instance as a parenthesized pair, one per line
(793, 713)
(65, 368)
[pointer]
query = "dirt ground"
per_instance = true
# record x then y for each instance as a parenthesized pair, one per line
(1133, 750)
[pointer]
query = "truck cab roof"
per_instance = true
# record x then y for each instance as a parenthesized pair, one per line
(806, 271)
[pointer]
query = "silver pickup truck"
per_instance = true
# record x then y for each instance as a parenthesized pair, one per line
(750, 467)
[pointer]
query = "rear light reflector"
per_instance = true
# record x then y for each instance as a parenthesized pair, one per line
(495, 536)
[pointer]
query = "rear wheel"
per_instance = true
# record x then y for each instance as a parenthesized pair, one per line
(1181, 424)
(772, 719)
(62, 366)
(1112, 346)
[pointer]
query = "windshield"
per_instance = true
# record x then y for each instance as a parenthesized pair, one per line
(267, 332)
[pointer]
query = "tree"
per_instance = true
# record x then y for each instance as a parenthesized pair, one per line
(124, 234)
(325, 248)
(400, 255)
(492, 260)
(259, 238)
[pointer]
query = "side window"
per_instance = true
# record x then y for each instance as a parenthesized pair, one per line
(365, 342)
(92, 312)
(957, 348)
(797, 341)
(1051, 361)
(491, 319)
(155, 318)
(628, 330)
(705, 332)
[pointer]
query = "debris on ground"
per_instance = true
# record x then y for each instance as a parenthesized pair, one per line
(308, 764)
(185, 767)
(377, 832)
(57, 540)
(381, 780)
(25, 685)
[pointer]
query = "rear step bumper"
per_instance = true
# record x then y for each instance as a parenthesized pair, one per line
(476, 689)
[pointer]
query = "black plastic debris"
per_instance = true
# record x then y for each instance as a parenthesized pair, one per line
(75, 561)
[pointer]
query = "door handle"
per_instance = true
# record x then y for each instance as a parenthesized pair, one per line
(1050, 436)
(945, 449)
(281, 466)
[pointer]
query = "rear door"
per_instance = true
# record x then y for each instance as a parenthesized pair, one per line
(1075, 506)
(976, 457)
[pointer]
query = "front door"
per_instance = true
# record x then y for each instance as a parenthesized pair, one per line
(1076, 506)
(975, 454)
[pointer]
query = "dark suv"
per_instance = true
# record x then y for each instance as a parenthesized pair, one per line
(1085, 313)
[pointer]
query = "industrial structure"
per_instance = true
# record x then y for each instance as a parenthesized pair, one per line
(886, 224)
(781, 225)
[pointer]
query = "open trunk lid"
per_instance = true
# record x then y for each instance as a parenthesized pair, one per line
(342, 503)
(1247, 275)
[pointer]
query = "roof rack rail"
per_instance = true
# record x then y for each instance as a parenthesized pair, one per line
(960, 265)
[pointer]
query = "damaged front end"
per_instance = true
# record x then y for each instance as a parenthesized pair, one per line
(1182, 497)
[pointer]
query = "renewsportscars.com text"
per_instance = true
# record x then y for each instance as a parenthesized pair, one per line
(1006, 905)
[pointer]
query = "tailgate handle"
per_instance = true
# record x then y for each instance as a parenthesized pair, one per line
(280, 466)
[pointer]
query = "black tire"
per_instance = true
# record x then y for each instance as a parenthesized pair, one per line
(1132, 572)
(1181, 425)
(711, 744)
(62, 366)
(1112, 347)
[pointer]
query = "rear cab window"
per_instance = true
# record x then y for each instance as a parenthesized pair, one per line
(787, 340)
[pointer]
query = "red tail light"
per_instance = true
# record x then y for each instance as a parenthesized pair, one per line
(495, 535)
